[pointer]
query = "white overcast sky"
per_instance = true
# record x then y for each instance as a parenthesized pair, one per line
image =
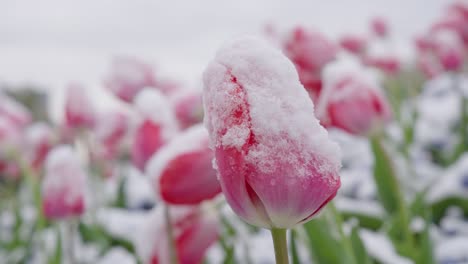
(55, 41)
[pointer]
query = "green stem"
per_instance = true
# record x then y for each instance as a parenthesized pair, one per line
(280, 244)
(170, 236)
(70, 240)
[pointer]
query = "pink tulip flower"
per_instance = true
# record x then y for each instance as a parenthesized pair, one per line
(110, 130)
(387, 63)
(188, 108)
(353, 43)
(276, 164)
(157, 127)
(10, 145)
(182, 170)
(194, 232)
(128, 77)
(379, 27)
(449, 49)
(352, 100)
(310, 51)
(455, 19)
(63, 187)
(39, 139)
(79, 109)
(15, 112)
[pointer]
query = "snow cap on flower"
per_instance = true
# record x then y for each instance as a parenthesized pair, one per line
(352, 100)
(63, 187)
(157, 127)
(276, 164)
(182, 171)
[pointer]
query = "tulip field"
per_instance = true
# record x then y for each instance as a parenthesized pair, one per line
(295, 147)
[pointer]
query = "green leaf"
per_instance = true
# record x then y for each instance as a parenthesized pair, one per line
(120, 202)
(96, 234)
(392, 199)
(360, 251)
(426, 249)
(439, 208)
(388, 189)
(324, 246)
(367, 221)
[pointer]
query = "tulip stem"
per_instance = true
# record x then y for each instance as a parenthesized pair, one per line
(69, 239)
(280, 244)
(170, 236)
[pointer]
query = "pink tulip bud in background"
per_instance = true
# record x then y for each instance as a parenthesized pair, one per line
(449, 49)
(351, 100)
(353, 43)
(379, 27)
(157, 127)
(10, 146)
(63, 187)
(110, 130)
(454, 19)
(439, 51)
(428, 65)
(182, 170)
(310, 51)
(15, 112)
(276, 165)
(194, 230)
(188, 108)
(79, 109)
(39, 139)
(387, 63)
(128, 77)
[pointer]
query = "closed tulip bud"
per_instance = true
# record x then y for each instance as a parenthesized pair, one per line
(449, 50)
(194, 231)
(128, 77)
(379, 27)
(10, 145)
(310, 51)
(157, 127)
(39, 139)
(79, 109)
(352, 100)
(16, 113)
(428, 65)
(182, 171)
(63, 187)
(387, 63)
(188, 108)
(276, 164)
(110, 131)
(353, 43)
